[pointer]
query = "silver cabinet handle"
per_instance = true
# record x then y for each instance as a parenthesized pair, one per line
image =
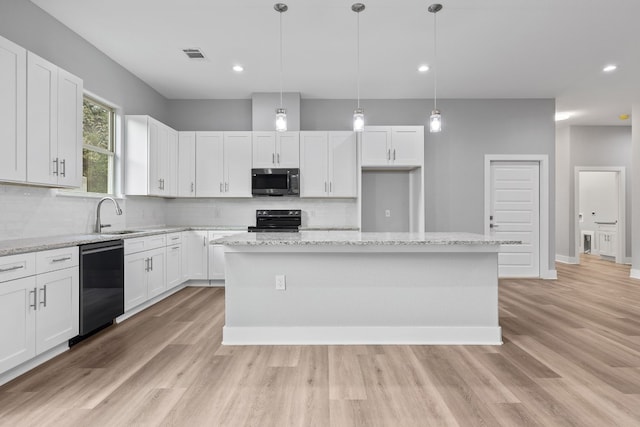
(175, 238)
(394, 154)
(55, 170)
(273, 158)
(330, 186)
(67, 258)
(146, 264)
(63, 162)
(175, 248)
(325, 186)
(160, 184)
(221, 190)
(226, 187)
(192, 185)
(151, 259)
(44, 300)
(34, 305)
(15, 267)
(204, 241)
(278, 158)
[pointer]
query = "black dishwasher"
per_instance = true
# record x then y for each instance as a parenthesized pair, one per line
(101, 286)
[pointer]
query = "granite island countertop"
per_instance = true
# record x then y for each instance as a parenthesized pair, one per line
(357, 238)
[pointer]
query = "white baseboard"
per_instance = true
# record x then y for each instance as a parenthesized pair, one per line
(549, 275)
(361, 335)
(627, 260)
(567, 260)
(635, 273)
(32, 363)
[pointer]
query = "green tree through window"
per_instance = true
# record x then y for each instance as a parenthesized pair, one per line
(98, 147)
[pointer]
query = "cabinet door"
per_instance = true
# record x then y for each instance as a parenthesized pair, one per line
(313, 164)
(187, 164)
(69, 129)
(58, 304)
(156, 276)
(407, 145)
(264, 149)
(197, 249)
(376, 143)
(237, 164)
(171, 186)
(42, 125)
(288, 149)
(174, 266)
(17, 322)
(209, 164)
(157, 156)
(343, 163)
(135, 279)
(13, 113)
(216, 255)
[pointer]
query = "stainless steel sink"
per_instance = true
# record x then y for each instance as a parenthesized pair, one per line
(122, 232)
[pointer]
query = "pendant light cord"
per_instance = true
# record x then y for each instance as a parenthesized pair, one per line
(435, 62)
(280, 59)
(358, 59)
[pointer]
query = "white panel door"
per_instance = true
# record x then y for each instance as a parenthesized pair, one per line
(135, 279)
(156, 276)
(13, 113)
(187, 164)
(343, 162)
(288, 149)
(57, 318)
(69, 129)
(171, 186)
(515, 214)
(174, 266)
(42, 121)
(209, 164)
(17, 322)
(198, 251)
(376, 142)
(156, 158)
(313, 164)
(264, 149)
(237, 164)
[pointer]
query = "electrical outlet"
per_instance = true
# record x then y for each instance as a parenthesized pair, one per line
(281, 283)
(387, 213)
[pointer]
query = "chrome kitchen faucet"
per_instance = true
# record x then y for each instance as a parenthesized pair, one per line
(99, 226)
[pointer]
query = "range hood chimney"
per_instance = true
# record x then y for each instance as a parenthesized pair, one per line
(263, 108)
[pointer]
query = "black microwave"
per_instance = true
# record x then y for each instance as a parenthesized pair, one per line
(275, 182)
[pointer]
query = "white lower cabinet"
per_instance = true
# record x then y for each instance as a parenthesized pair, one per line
(195, 264)
(144, 271)
(607, 243)
(174, 260)
(216, 254)
(39, 310)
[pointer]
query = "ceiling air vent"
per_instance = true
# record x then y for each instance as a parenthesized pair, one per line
(194, 53)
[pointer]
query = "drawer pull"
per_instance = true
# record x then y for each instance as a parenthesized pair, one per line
(67, 258)
(15, 267)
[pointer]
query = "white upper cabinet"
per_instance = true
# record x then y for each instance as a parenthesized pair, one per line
(328, 164)
(393, 146)
(223, 164)
(186, 164)
(54, 124)
(276, 149)
(151, 149)
(13, 112)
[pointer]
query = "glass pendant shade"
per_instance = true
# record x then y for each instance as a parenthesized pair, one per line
(281, 119)
(358, 120)
(435, 121)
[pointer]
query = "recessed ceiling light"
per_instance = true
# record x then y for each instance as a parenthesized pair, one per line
(423, 68)
(563, 116)
(238, 68)
(609, 68)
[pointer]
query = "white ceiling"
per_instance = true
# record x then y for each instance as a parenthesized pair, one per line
(486, 49)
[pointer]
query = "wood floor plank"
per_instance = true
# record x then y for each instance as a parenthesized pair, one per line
(571, 357)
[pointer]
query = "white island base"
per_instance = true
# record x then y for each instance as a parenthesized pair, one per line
(375, 291)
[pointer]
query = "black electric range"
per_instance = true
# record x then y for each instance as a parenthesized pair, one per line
(277, 220)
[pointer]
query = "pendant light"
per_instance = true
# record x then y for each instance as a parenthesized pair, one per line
(435, 120)
(281, 113)
(358, 113)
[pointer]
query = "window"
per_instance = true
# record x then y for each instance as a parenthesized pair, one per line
(97, 147)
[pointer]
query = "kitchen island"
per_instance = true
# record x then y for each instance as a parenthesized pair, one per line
(361, 288)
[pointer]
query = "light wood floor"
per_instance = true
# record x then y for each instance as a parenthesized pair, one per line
(571, 357)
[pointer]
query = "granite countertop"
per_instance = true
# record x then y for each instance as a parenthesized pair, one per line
(357, 238)
(35, 244)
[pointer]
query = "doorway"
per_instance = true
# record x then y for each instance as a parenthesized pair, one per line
(600, 227)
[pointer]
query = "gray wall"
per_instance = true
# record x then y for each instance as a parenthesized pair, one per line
(385, 190)
(596, 146)
(635, 179)
(210, 114)
(27, 25)
(563, 183)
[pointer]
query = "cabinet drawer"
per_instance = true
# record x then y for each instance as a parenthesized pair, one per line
(56, 259)
(174, 239)
(17, 266)
(140, 244)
